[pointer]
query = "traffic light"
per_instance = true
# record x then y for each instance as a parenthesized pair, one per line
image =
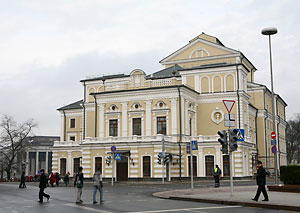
(167, 158)
(233, 137)
(159, 158)
(108, 160)
(223, 141)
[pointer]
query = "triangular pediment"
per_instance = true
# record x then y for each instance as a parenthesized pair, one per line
(200, 48)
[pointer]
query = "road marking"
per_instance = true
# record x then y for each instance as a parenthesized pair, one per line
(85, 207)
(28, 206)
(178, 210)
(141, 200)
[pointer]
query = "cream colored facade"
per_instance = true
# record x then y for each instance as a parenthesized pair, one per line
(187, 94)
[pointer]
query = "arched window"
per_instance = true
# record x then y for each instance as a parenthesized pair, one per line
(146, 166)
(209, 165)
(76, 165)
(98, 163)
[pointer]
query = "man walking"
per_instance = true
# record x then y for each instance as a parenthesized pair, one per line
(261, 182)
(22, 183)
(79, 184)
(217, 175)
(43, 186)
(98, 184)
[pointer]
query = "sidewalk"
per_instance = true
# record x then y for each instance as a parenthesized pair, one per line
(242, 196)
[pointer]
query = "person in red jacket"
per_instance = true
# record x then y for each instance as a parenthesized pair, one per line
(52, 179)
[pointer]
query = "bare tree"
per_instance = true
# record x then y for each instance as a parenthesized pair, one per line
(293, 139)
(12, 140)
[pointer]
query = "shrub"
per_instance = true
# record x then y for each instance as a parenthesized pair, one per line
(290, 174)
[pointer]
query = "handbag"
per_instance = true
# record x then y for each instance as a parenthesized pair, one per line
(78, 182)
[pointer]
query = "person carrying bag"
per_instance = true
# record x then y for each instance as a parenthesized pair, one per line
(79, 184)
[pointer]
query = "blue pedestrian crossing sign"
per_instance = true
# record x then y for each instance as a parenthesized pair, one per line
(194, 145)
(240, 134)
(117, 156)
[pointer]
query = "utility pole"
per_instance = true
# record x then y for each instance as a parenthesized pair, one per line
(191, 162)
(163, 159)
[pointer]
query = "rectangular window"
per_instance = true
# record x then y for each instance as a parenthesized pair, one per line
(72, 123)
(113, 127)
(72, 138)
(63, 166)
(161, 125)
(136, 126)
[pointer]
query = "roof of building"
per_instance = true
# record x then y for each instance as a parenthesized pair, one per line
(166, 73)
(105, 77)
(41, 140)
(75, 105)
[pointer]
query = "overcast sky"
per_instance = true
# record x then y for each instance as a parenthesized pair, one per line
(47, 47)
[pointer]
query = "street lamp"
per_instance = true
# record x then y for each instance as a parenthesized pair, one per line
(272, 31)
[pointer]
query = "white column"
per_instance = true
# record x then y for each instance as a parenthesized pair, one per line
(27, 163)
(187, 122)
(101, 120)
(182, 116)
(36, 162)
(201, 162)
(124, 119)
(218, 157)
(69, 162)
(148, 118)
(197, 83)
(46, 166)
(174, 116)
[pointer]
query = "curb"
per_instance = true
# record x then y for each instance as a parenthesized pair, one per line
(247, 204)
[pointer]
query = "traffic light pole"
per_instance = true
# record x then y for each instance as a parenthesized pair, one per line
(191, 161)
(112, 173)
(163, 159)
(231, 173)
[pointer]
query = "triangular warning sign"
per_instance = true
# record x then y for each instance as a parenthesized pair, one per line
(228, 104)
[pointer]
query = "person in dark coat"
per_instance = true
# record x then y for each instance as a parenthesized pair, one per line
(57, 178)
(43, 186)
(66, 178)
(78, 182)
(261, 182)
(217, 175)
(22, 183)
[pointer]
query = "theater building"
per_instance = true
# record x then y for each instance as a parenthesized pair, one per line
(182, 102)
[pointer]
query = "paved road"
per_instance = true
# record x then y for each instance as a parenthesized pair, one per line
(122, 197)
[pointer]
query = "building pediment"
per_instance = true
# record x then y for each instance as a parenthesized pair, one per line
(200, 48)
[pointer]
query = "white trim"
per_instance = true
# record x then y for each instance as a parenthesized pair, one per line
(221, 80)
(205, 76)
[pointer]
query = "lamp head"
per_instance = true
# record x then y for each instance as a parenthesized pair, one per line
(269, 31)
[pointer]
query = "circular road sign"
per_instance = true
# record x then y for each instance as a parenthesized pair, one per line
(274, 149)
(273, 135)
(113, 148)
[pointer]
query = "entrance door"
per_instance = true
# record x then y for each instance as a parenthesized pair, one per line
(122, 169)
(226, 165)
(209, 165)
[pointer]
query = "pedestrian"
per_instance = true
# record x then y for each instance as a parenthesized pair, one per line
(43, 186)
(79, 184)
(22, 182)
(261, 182)
(57, 178)
(217, 176)
(98, 185)
(66, 178)
(52, 179)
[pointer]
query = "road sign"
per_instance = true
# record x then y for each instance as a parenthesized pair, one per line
(273, 135)
(113, 148)
(229, 120)
(194, 145)
(273, 142)
(240, 134)
(117, 156)
(228, 104)
(274, 149)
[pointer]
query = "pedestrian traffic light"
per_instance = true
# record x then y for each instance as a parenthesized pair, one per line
(159, 158)
(233, 137)
(223, 141)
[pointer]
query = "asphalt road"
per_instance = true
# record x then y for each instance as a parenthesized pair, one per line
(122, 197)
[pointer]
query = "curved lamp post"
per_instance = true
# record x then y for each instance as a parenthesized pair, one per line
(272, 31)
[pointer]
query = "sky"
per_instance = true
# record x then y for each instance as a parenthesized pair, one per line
(47, 47)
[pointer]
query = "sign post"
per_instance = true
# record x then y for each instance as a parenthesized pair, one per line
(163, 159)
(113, 149)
